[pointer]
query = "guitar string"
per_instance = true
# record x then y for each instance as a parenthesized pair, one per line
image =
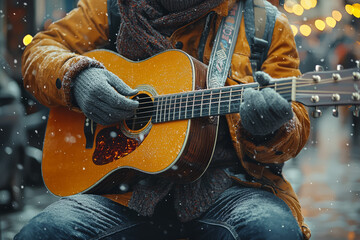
(226, 88)
(167, 107)
(308, 82)
(169, 115)
(215, 99)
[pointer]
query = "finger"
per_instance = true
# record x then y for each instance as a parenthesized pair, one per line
(274, 99)
(277, 104)
(116, 100)
(116, 113)
(262, 78)
(104, 114)
(120, 85)
(98, 116)
(254, 98)
(256, 107)
(111, 111)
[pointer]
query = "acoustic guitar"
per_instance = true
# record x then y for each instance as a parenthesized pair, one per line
(173, 132)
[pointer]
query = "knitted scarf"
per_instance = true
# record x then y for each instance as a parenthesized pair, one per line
(144, 30)
(145, 26)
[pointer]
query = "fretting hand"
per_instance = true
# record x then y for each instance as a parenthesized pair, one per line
(263, 112)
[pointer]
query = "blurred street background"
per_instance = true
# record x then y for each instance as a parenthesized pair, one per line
(325, 175)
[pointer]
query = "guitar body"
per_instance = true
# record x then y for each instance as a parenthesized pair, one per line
(81, 156)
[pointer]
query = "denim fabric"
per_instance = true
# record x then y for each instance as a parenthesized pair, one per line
(239, 213)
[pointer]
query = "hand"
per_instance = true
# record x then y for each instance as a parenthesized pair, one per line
(263, 112)
(100, 94)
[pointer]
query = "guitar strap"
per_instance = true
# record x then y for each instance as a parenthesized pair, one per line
(224, 45)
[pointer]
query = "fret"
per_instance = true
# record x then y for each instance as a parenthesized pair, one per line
(186, 104)
(205, 103)
(215, 104)
(180, 107)
(202, 102)
(157, 109)
(225, 100)
(174, 107)
(235, 98)
(230, 100)
(165, 108)
(169, 112)
(241, 95)
(184, 101)
(275, 88)
(190, 102)
(210, 95)
(193, 106)
(198, 103)
(219, 102)
(161, 107)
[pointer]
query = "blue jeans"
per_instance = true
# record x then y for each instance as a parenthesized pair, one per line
(239, 213)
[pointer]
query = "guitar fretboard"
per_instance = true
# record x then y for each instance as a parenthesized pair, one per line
(209, 102)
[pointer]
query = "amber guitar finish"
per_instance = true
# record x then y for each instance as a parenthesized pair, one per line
(173, 132)
(79, 155)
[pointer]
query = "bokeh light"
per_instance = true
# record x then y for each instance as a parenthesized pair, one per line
(306, 4)
(349, 9)
(298, 9)
(27, 39)
(305, 30)
(336, 15)
(313, 3)
(331, 22)
(320, 24)
(356, 11)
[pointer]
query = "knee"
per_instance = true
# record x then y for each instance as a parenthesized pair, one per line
(279, 226)
(272, 222)
(210, 229)
(36, 229)
(55, 220)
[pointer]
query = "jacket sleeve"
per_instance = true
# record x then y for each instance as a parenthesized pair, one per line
(287, 142)
(54, 58)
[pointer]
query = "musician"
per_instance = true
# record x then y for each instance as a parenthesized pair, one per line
(243, 194)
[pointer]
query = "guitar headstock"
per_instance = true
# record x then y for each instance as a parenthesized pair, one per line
(329, 88)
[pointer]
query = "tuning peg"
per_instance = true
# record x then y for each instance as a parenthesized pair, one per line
(319, 68)
(357, 63)
(336, 76)
(335, 111)
(356, 76)
(356, 112)
(316, 113)
(339, 67)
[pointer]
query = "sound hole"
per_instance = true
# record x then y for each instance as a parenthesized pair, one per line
(143, 114)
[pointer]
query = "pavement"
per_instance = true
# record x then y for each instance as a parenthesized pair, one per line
(325, 175)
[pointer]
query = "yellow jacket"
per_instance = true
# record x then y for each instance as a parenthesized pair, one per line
(56, 53)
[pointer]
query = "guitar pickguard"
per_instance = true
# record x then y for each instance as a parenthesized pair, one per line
(112, 144)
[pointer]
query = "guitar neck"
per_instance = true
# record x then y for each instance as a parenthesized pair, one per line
(209, 102)
(331, 88)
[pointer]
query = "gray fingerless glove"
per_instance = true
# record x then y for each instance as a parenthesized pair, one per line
(100, 94)
(263, 112)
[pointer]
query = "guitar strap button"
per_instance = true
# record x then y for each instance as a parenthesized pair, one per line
(179, 45)
(58, 83)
